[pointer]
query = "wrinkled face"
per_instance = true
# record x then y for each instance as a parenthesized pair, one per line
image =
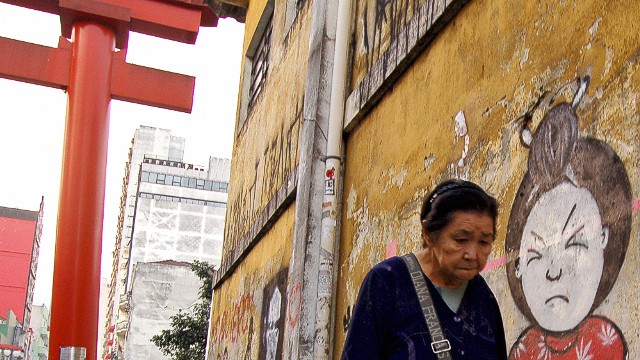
(460, 249)
(562, 257)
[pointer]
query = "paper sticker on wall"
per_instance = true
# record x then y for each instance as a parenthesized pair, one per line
(329, 183)
(329, 187)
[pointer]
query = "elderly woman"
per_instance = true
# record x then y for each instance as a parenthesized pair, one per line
(402, 298)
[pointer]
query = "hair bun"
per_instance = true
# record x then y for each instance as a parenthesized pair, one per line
(553, 144)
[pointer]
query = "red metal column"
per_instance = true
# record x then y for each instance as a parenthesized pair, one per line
(76, 281)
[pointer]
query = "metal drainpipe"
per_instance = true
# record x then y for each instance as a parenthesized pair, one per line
(330, 208)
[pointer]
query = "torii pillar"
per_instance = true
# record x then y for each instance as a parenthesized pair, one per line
(92, 73)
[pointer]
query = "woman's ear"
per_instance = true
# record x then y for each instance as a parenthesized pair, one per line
(426, 241)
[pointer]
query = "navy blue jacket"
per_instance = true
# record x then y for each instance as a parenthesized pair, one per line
(388, 322)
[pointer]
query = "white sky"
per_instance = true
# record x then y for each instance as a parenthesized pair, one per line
(32, 122)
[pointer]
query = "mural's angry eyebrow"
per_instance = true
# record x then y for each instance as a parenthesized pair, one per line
(538, 237)
(573, 242)
(573, 209)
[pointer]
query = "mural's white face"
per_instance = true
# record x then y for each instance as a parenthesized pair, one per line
(562, 256)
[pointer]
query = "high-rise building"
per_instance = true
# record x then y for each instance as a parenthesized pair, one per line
(169, 211)
(102, 317)
(39, 333)
(20, 232)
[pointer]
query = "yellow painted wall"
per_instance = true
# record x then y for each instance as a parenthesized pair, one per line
(265, 155)
(265, 151)
(238, 318)
(492, 63)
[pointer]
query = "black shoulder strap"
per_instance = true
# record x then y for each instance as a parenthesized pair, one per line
(440, 345)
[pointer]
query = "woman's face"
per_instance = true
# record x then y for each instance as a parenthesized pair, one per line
(562, 257)
(460, 250)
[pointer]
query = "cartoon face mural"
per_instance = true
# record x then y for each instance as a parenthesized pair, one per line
(562, 257)
(569, 225)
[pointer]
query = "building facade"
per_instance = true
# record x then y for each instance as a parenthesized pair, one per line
(170, 210)
(39, 333)
(158, 291)
(20, 232)
(535, 101)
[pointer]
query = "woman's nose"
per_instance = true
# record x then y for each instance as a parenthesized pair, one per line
(471, 252)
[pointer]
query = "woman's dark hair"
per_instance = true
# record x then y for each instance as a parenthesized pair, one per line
(455, 195)
(559, 155)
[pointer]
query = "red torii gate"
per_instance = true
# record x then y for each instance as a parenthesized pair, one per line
(92, 73)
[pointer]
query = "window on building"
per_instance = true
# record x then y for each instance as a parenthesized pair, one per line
(257, 64)
(260, 64)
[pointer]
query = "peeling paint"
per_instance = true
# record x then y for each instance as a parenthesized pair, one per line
(607, 63)
(500, 103)
(394, 178)
(428, 161)
(461, 130)
(363, 226)
(524, 57)
(594, 28)
(461, 124)
(351, 203)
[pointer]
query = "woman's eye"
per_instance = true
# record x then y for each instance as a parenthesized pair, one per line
(573, 241)
(461, 240)
(533, 255)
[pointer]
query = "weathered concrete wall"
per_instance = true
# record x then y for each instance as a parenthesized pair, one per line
(266, 147)
(159, 290)
(377, 23)
(459, 111)
(249, 310)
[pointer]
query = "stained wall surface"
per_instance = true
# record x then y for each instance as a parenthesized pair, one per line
(250, 299)
(249, 311)
(266, 145)
(459, 111)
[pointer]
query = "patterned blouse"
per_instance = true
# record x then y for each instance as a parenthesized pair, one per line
(595, 338)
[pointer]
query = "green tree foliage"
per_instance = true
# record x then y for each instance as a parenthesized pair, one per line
(187, 337)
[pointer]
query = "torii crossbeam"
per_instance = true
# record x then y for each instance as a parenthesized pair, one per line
(93, 73)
